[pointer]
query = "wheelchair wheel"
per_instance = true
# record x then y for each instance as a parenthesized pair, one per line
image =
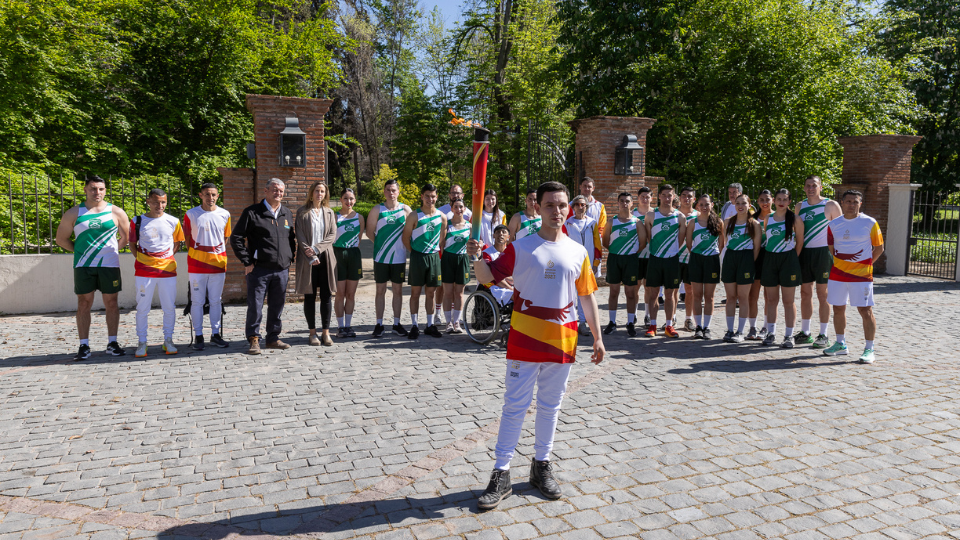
(482, 316)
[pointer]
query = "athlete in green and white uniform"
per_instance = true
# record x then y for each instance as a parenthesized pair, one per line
(100, 231)
(423, 235)
(738, 267)
(781, 266)
(385, 225)
(346, 249)
(621, 238)
(815, 260)
(704, 241)
(664, 228)
(644, 195)
(527, 222)
(455, 265)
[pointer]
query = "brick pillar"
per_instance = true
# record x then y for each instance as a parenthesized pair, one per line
(238, 193)
(871, 164)
(597, 138)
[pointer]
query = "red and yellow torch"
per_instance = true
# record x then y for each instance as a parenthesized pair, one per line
(481, 151)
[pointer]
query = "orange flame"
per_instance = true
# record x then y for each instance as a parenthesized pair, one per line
(457, 121)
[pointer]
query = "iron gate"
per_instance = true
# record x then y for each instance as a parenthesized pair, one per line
(549, 155)
(932, 249)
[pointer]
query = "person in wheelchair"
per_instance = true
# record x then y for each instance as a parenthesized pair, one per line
(503, 291)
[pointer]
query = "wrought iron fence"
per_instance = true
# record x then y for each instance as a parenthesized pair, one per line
(549, 155)
(934, 234)
(31, 205)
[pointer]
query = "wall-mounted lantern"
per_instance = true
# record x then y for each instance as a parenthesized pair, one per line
(628, 157)
(293, 144)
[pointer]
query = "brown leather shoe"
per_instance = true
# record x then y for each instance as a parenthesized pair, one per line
(277, 345)
(325, 339)
(254, 345)
(314, 342)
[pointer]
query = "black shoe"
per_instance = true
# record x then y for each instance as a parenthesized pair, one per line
(706, 334)
(84, 353)
(683, 297)
(611, 326)
(432, 331)
(399, 330)
(218, 341)
(350, 332)
(698, 333)
(378, 330)
(498, 489)
(198, 343)
(728, 337)
(631, 329)
(662, 302)
(114, 349)
(541, 476)
(414, 332)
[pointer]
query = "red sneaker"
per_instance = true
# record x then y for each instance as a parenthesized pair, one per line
(670, 332)
(651, 330)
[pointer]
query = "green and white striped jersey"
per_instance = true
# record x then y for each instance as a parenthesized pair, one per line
(704, 243)
(623, 236)
(348, 231)
(739, 239)
(645, 252)
(664, 233)
(528, 225)
(387, 244)
(814, 218)
(456, 240)
(426, 235)
(96, 239)
(775, 233)
(684, 252)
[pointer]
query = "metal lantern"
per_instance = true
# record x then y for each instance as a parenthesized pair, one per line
(628, 157)
(293, 144)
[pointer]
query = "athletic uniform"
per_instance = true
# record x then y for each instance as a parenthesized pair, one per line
(346, 248)
(738, 265)
(528, 225)
(815, 259)
(455, 263)
(389, 255)
(704, 264)
(156, 268)
(645, 253)
(781, 266)
(425, 254)
(549, 277)
(447, 211)
(851, 276)
(206, 234)
(597, 211)
(623, 265)
(663, 269)
(486, 227)
(586, 232)
(96, 253)
(502, 295)
(684, 258)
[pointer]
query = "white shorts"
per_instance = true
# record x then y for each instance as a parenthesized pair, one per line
(856, 293)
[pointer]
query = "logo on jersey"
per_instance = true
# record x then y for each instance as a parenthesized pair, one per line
(809, 217)
(95, 223)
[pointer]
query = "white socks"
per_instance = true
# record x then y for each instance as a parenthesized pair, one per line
(348, 318)
(380, 322)
(631, 318)
(740, 324)
(823, 328)
(448, 315)
(698, 319)
(456, 315)
(111, 339)
(340, 322)
(429, 319)
(868, 344)
(413, 318)
(85, 342)
(706, 321)
(805, 326)
(730, 323)
(841, 339)
(396, 321)
(789, 332)
(613, 315)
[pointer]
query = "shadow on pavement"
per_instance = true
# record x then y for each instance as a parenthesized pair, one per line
(744, 366)
(927, 285)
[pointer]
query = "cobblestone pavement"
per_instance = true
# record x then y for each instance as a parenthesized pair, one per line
(393, 439)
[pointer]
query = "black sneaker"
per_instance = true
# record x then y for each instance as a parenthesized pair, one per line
(350, 332)
(762, 334)
(432, 331)
(541, 476)
(414, 332)
(84, 353)
(631, 329)
(646, 320)
(399, 330)
(770, 339)
(498, 489)
(728, 337)
(707, 334)
(738, 337)
(218, 341)
(198, 343)
(683, 297)
(341, 332)
(378, 330)
(611, 326)
(698, 333)
(114, 349)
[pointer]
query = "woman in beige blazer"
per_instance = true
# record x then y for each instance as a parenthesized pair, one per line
(316, 265)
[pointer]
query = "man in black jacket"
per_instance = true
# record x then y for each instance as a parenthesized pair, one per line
(265, 242)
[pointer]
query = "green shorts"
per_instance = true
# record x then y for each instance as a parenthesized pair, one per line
(349, 266)
(96, 278)
(758, 265)
(643, 268)
(384, 272)
(815, 265)
(663, 272)
(781, 269)
(455, 268)
(623, 269)
(738, 267)
(684, 272)
(704, 268)
(424, 269)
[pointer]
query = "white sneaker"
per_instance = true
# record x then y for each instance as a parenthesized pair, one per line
(456, 328)
(450, 327)
(169, 347)
(141, 349)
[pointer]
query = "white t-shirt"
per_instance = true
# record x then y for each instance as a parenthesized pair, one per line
(486, 230)
(467, 213)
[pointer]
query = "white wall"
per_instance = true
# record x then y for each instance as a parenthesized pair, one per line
(897, 236)
(44, 283)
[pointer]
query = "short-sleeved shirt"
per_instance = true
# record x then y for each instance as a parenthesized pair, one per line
(447, 211)
(206, 234)
(853, 241)
(548, 277)
(488, 223)
(154, 245)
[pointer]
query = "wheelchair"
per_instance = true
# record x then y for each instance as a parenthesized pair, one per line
(485, 319)
(206, 311)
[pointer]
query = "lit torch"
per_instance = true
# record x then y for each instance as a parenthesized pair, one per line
(481, 151)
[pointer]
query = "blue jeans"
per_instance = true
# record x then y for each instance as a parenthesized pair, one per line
(273, 284)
